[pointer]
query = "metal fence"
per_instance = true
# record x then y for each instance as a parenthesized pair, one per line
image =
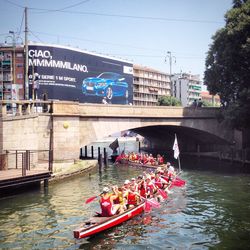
(27, 160)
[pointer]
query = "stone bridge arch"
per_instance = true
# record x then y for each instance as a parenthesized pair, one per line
(160, 131)
(68, 126)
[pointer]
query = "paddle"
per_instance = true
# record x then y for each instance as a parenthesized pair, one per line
(91, 199)
(152, 203)
(147, 207)
(162, 193)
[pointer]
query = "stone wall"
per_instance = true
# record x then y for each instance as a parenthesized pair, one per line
(20, 133)
(66, 138)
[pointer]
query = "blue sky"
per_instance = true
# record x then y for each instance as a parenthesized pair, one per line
(141, 31)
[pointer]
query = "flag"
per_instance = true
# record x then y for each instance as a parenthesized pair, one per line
(176, 148)
(114, 145)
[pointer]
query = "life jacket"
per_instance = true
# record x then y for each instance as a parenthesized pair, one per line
(167, 177)
(160, 160)
(119, 199)
(170, 176)
(106, 207)
(150, 189)
(131, 199)
(158, 182)
(142, 190)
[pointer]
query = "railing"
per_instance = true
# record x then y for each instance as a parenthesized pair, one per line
(27, 160)
(23, 107)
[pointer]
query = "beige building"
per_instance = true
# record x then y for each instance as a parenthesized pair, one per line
(149, 84)
(11, 73)
(214, 100)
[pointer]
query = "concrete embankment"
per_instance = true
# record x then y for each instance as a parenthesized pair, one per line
(66, 170)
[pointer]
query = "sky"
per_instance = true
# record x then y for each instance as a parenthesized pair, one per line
(140, 31)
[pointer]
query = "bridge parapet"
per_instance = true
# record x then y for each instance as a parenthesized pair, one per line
(67, 108)
(100, 110)
(24, 107)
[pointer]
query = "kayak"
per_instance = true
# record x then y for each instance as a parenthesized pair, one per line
(98, 224)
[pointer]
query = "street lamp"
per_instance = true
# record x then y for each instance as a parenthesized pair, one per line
(170, 57)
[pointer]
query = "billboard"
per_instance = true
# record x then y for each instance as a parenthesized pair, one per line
(63, 73)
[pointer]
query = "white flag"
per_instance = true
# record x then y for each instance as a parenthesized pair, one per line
(176, 148)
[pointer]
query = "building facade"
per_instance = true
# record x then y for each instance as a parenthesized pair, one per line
(11, 73)
(149, 84)
(186, 88)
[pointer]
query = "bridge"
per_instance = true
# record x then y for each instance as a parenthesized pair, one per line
(65, 127)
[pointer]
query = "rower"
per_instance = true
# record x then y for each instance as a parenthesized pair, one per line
(159, 159)
(141, 186)
(125, 189)
(107, 202)
(134, 184)
(132, 197)
(120, 199)
(150, 187)
(160, 182)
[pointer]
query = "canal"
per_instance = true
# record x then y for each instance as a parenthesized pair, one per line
(211, 212)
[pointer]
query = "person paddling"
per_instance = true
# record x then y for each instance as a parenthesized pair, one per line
(107, 202)
(132, 197)
(150, 187)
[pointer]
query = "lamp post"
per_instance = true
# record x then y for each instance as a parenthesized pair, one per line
(26, 55)
(170, 57)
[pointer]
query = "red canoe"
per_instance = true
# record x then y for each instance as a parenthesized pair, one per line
(98, 224)
(136, 164)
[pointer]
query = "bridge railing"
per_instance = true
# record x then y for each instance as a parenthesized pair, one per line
(114, 110)
(24, 107)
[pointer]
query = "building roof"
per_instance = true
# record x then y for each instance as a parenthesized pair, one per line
(148, 69)
(207, 95)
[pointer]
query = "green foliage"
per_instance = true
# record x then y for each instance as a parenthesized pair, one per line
(207, 104)
(168, 101)
(228, 64)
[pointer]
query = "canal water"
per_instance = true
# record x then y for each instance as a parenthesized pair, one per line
(210, 212)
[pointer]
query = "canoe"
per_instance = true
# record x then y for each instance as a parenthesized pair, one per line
(137, 164)
(98, 224)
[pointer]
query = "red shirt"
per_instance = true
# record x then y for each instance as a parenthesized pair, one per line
(106, 207)
(132, 199)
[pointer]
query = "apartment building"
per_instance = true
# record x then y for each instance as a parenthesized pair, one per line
(11, 73)
(186, 88)
(149, 84)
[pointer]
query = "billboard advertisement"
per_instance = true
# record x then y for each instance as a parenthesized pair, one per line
(63, 73)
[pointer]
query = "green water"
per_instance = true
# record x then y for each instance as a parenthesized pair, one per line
(211, 212)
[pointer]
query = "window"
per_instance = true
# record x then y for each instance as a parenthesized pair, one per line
(19, 76)
(19, 55)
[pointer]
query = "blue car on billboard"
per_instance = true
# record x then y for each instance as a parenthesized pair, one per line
(106, 85)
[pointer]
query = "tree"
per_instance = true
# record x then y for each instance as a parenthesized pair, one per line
(207, 104)
(227, 70)
(168, 101)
